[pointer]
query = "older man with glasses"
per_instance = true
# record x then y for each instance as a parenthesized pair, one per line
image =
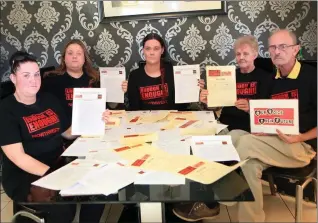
(293, 80)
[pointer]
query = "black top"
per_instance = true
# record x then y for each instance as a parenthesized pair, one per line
(61, 86)
(253, 85)
(146, 93)
(38, 127)
(303, 88)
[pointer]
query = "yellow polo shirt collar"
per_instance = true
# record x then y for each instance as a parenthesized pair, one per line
(293, 74)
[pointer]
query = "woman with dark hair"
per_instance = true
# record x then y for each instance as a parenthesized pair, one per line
(151, 87)
(31, 130)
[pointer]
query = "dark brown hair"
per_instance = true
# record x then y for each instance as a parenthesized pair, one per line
(157, 37)
(87, 66)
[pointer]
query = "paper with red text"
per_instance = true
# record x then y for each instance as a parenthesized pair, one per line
(268, 115)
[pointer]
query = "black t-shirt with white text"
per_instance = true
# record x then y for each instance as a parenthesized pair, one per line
(38, 127)
(253, 85)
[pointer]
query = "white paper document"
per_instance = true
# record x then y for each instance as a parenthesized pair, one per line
(88, 107)
(221, 85)
(104, 155)
(112, 78)
(109, 179)
(176, 147)
(205, 115)
(78, 190)
(68, 175)
(159, 178)
(81, 146)
(214, 148)
(186, 85)
(268, 115)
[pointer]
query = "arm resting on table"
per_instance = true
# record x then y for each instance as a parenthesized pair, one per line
(16, 154)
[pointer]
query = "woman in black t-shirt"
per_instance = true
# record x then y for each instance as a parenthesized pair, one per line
(31, 130)
(151, 87)
(75, 71)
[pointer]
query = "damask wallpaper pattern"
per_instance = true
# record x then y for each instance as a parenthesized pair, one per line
(44, 27)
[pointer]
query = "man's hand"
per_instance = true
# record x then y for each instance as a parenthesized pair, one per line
(243, 105)
(204, 96)
(289, 138)
(39, 194)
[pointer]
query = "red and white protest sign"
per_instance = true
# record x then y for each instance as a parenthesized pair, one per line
(268, 115)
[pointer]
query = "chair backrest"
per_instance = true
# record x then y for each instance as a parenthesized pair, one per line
(6, 88)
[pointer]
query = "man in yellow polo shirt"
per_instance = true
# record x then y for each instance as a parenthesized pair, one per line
(293, 80)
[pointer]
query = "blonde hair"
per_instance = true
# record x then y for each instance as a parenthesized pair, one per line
(87, 67)
(248, 40)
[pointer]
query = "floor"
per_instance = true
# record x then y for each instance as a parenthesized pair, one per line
(279, 208)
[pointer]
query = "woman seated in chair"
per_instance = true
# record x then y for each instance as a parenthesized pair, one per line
(151, 87)
(31, 130)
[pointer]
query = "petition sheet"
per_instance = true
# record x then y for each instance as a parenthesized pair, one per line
(221, 84)
(186, 85)
(88, 107)
(112, 78)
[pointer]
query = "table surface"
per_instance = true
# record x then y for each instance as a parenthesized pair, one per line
(232, 187)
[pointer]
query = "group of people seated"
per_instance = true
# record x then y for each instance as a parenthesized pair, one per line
(36, 119)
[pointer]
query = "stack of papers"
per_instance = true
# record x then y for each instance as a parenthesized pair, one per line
(68, 175)
(104, 182)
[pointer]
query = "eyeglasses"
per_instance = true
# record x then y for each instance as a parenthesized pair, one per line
(281, 47)
(21, 58)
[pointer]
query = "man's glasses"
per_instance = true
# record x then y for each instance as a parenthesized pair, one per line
(281, 47)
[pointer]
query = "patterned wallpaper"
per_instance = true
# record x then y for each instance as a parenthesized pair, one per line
(43, 28)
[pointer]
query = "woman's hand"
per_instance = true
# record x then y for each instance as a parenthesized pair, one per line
(201, 83)
(106, 115)
(243, 105)
(204, 96)
(124, 86)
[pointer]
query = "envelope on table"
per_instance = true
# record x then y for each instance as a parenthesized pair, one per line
(135, 151)
(118, 113)
(207, 172)
(113, 121)
(138, 138)
(198, 131)
(187, 115)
